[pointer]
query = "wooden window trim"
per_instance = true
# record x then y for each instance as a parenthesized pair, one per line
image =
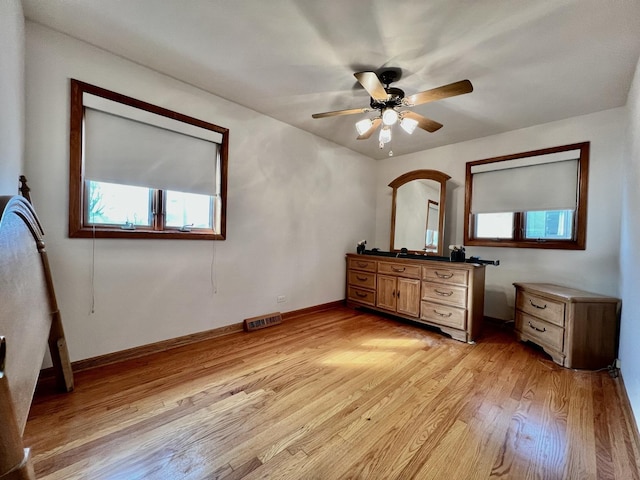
(77, 226)
(579, 241)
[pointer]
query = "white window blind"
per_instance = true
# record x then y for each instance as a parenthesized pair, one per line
(545, 182)
(150, 151)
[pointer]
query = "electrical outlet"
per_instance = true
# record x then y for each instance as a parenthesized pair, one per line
(617, 363)
(281, 299)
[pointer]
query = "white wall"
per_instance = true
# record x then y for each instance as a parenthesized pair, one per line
(11, 95)
(594, 269)
(630, 253)
(296, 204)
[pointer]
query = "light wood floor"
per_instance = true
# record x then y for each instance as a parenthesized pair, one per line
(336, 395)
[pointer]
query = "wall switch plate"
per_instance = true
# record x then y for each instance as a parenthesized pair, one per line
(281, 299)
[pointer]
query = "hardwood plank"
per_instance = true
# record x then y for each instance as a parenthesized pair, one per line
(580, 413)
(488, 417)
(336, 394)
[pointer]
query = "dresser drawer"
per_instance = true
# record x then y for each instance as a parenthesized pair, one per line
(366, 265)
(360, 295)
(444, 315)
(540, 331)
(410, 271)
(544, 308)
(449, 294)
(445, 275)
(362, 279)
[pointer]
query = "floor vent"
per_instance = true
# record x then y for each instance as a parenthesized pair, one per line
(263, 321)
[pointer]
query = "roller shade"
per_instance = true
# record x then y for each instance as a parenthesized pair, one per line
(145, 151)
(548, 182)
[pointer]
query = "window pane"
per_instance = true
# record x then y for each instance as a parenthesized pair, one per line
(188, 210)
(549, 224)
(494, 225)
(114, 204)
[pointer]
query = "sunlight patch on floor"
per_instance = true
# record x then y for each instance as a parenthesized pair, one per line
(392, 342)
(358, 357)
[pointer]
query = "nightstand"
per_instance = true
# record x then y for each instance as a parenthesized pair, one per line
(577, 329)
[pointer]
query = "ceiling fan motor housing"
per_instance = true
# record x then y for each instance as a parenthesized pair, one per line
(395, 99)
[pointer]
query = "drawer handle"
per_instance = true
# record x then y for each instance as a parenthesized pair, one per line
(398, 269)
(442, 314)
(444, 294)
(537, 306)
(443, 275)
(363, 264)
(361, 295)
(537, 329)
(362, 279)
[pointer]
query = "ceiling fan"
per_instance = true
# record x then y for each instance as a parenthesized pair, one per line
(388, 102)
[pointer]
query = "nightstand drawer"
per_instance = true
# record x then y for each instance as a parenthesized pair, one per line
(444, 315)
(360, 295)
(445, 275)
(541, 307)
(540, 331)
(449, 294)
(362, 279)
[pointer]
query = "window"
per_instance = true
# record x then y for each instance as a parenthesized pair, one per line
(534, 199)
(141, 171)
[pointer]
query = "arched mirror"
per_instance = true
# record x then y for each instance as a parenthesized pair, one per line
(417, 211)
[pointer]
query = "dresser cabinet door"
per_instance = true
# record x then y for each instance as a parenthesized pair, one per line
(408, 296)
(386, 292)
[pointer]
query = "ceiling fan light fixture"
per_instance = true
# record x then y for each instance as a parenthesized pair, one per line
(385, 135)
(389, 116)
(408, 124)
(363, 126)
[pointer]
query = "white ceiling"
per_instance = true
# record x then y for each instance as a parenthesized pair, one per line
(530, 62)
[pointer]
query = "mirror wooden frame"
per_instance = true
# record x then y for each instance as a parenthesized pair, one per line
(438, 177)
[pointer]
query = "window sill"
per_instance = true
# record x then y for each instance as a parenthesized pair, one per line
(543, 244)
(101, 232)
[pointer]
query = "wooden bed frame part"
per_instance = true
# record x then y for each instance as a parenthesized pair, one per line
(29, 320)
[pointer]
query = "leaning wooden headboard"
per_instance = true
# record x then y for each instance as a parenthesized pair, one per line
(29, 320)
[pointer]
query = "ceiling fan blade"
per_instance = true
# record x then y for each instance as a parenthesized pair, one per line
(371, 83)
(423, 122)
(341, 112)
(375, 123)
(446, 91)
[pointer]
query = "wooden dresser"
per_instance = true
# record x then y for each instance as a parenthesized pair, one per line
(577, 329)
(446, 295)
